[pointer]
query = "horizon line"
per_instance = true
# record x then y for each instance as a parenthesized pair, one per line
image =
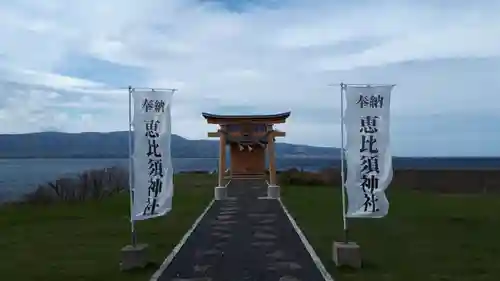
(211, 140)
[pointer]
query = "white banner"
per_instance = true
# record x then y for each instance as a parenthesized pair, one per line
(368, 155)
(152, 162)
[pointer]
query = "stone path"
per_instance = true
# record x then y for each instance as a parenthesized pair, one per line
(245, 238)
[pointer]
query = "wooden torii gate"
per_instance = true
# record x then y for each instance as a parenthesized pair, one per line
(249, 137)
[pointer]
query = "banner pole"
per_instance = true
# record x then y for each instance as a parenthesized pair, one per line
(130, 169)
(342, 152)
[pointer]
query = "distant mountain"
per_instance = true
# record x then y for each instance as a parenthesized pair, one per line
(115, 145)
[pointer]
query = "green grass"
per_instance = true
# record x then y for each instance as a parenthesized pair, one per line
(426, 236)
(83, 241)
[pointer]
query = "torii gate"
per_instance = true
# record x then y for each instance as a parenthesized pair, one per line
(248, 136)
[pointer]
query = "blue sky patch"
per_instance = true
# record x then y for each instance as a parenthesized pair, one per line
(245, 5)
(97, 70)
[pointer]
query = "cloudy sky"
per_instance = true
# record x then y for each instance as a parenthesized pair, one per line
(65, 65)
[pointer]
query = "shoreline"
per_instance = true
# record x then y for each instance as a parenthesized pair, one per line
(14, 182)
(466, 179)
(289, 156)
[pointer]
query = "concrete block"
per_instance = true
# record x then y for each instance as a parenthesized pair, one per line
(220, 192)
(134, 257)
(273, 191)
(347, 254)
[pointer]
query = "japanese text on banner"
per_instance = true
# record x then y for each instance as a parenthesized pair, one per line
(152, 160)
(369, 163)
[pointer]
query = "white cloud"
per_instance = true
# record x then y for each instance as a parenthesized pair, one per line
(270, 59)
(46, 79)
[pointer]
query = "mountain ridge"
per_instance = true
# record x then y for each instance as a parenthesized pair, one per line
(115, 145)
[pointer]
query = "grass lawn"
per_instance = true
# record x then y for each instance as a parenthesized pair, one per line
(425, 236)
(83, 241)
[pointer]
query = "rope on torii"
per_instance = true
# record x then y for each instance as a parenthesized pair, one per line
(248, 146)
(260, 140)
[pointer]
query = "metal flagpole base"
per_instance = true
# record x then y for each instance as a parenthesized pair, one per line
(220, 192)
(347, 254)
(133, 257)
(273, 191)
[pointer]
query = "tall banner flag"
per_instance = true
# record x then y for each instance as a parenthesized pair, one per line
(151, 158)
(368, 155)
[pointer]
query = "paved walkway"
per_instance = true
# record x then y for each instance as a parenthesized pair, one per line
(245, 238)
